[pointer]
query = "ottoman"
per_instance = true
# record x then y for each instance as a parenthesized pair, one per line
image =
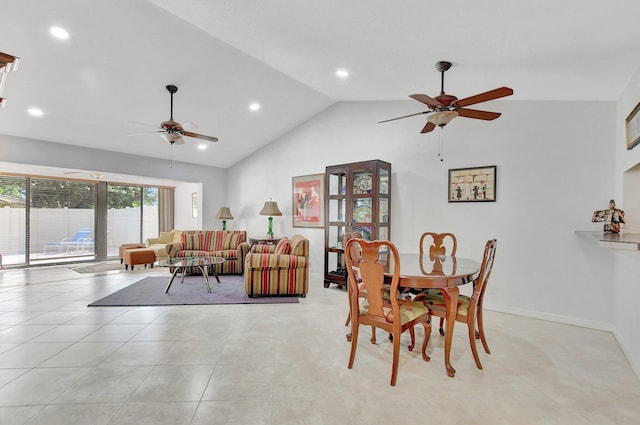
(132, 257)
(125, 246)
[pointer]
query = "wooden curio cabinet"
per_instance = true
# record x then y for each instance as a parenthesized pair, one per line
(357, 198)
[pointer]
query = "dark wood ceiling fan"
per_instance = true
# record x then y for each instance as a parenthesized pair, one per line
(172, 131)
(445, 107)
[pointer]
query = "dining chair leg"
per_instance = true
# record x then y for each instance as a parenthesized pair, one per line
(471, 326)
(479, 334)
(354, 343)
(441, 329)
(427, 335)
(412, 333)
(396, 356)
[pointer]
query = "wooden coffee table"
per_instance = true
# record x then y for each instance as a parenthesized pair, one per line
(181, 264)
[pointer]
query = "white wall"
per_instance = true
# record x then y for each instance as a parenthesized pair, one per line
(555, 167)
(627, 264)
(208, 181)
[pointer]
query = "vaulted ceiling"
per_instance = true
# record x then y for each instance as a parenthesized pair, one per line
(226, 54)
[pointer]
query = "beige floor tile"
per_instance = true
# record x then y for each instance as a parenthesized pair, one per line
(140, 353)
(105, 384)
(18, 415)
(39, 386)
(83, 354)
(243, 411)
(76, 414)
(174, 383)
(283, 363)
(163, 413)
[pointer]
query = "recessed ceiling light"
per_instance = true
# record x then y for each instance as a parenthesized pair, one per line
(202, 147)
(35, 112)
(254, 106)
(342, 73)
(58, 32)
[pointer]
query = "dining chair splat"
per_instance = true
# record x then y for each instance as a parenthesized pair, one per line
(439, 242)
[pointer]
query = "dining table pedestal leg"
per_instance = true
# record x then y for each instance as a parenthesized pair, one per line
(451, 303)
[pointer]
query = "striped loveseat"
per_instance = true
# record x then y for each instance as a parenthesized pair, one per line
(229, 244)
(281, 269)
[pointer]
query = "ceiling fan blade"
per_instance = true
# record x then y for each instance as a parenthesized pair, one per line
(200, 136)
(429, 127)
(405, 116)
(189, 126)
(426, 100)
(484, 97)
(479, 115)
(146, 132)
(144, 123)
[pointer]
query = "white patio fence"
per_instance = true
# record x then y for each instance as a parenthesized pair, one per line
(52, 225)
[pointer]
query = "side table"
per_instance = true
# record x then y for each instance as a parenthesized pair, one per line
(264, 240)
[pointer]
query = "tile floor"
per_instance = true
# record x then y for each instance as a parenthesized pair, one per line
(64, 363)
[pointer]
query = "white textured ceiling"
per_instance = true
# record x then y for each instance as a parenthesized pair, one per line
(225, 54)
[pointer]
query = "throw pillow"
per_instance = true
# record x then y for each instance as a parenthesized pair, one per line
(232, 240)
(283, 247)
(177, 236)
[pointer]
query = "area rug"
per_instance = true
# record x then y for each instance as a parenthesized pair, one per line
(100, 267)
(150, 291)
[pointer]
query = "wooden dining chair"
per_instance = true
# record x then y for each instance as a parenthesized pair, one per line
(469, 308)
(355, 253)
(393, 315)
(437, 244)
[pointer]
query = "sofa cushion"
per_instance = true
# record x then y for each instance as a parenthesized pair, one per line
(232, 240)
(165, 237)
(190, 241)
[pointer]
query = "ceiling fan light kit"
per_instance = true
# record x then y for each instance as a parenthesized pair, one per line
(445, 107)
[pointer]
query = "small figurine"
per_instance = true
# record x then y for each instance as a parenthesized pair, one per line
(611, 217)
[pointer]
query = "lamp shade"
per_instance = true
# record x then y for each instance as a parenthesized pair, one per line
(224, 213)
(271, 209)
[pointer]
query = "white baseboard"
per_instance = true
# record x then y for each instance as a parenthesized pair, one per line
(590, 324)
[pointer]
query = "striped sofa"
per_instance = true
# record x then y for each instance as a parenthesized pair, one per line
(229, 244)
(281, 269)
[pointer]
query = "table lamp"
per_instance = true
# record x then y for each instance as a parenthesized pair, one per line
(271, 209)
(224, 214)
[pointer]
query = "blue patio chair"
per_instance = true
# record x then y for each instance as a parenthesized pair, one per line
(79, 241)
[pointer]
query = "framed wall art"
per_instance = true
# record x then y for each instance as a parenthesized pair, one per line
(194, 205)
(476, 184)
(308, 201)
(633, 128)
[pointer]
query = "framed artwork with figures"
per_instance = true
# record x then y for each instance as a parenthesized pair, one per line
(477, 184)
(308, 201)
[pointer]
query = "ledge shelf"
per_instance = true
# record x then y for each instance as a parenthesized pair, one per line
(625, 241)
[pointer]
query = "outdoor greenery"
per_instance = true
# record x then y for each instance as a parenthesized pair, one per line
(50, 193)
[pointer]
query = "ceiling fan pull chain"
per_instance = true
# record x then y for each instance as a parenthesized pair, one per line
(440, 147)
(171, 155)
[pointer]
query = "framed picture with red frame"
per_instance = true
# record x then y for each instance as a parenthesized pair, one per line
(308, 201)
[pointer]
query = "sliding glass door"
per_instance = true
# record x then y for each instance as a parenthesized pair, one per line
(49, 220)
(13, 220)
(61, 220)
(132, 215)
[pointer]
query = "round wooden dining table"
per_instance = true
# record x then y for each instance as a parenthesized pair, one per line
(446, 273)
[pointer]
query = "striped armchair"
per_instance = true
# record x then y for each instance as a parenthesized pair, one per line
(281, 269)
(228, 244)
